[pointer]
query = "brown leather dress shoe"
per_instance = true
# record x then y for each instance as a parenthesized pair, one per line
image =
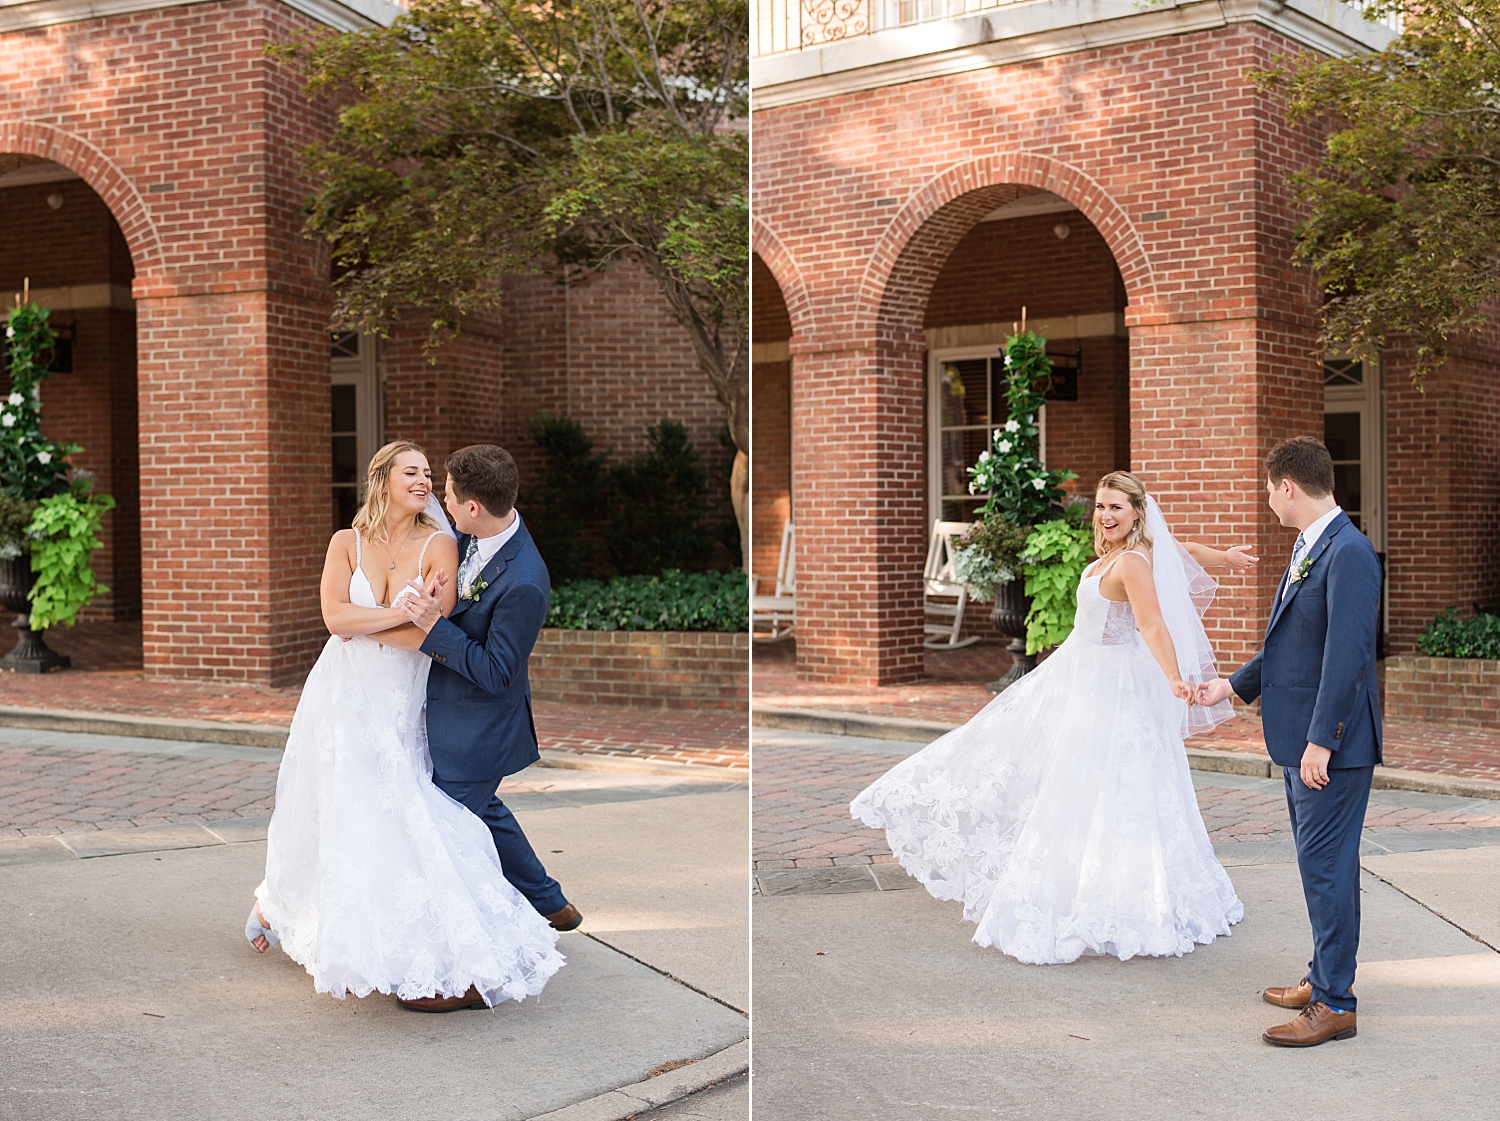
(470, 999)
(1317, 1024)
(1297, 996)
(566, 919)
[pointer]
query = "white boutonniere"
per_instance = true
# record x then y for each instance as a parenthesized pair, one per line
(471, 593)
(1299, 574)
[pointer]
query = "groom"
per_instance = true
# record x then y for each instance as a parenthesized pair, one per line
(1320, 707)
(479, 724)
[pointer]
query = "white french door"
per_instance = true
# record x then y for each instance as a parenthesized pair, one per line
(966, 402)
(358, 390)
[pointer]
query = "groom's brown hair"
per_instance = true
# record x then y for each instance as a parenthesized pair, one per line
(1306, 462)
(485, 474)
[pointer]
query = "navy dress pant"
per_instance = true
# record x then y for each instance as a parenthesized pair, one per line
(1327, 825)
(518, 860)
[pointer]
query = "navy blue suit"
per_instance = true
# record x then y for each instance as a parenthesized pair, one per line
(479, 724)
(1315, 677)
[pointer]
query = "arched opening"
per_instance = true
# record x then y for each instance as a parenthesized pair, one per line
(1039, 253)
(61, 236)
(771, 405)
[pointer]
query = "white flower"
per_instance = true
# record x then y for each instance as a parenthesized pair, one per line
(1012, 426)
(1007, 361)
(7, 419)
(44, 457)
(1004, 446)
(973, 488)
(1039, 483)
(10, 332)
(996, 436)
(984, 457)
(16, 399)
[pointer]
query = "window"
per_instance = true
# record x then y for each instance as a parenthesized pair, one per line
(358, 400)
(967, 401)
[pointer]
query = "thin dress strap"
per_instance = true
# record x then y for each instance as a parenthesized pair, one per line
(358, 556)
(423, 554)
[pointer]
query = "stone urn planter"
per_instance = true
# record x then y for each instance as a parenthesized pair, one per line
(1008, 616)
(31, 654)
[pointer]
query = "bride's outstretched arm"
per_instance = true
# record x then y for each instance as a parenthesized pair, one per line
(1140, 587)
(1237, 557)
(339, 615)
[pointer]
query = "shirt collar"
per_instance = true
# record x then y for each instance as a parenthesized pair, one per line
(489, 546)
(1311, 534)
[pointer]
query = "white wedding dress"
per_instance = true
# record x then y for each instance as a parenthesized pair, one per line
(1063, 813)
(377, 881)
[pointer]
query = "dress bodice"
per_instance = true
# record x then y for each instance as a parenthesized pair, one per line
(361, 594)
(1100, 620)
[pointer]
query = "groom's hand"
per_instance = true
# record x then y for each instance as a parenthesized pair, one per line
(1212, 692)
(1315, 766)
(426, 607)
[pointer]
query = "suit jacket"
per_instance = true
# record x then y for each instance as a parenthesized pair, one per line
(1315, 674)
(479, 723)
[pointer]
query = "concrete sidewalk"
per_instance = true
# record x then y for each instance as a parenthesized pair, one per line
(877, 1005)
(129, 990)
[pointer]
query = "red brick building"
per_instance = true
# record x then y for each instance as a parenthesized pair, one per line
(921, 177)
(149, 179)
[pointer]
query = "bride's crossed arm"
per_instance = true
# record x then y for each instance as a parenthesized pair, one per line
(1140, 589)
(347, 620)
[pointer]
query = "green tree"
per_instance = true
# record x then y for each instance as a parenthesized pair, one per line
(31, 466)
(480, 138)
(560, 509)
(1403, 225)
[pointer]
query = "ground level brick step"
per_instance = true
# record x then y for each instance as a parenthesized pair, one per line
(833, 722)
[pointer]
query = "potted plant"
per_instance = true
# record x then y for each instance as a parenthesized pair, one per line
(48, 519)
(1022, 494)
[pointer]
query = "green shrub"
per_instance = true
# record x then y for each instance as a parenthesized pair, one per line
(570, 495)
(673, 601)
(1055, 556)
(658, 501)
(1452, 635)
(64, 533)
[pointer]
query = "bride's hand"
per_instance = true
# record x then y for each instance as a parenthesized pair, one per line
(1239, 559)
(1183, 690)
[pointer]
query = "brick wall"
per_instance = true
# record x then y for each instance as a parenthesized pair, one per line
(642, 669)
(1180, 166)
(606, 352)
(1457, 691)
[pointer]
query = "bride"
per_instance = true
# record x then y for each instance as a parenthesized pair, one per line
(376, 881)
(1063, 813)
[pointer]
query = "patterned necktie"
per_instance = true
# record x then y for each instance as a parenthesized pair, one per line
(1297, 550)
(466, 570)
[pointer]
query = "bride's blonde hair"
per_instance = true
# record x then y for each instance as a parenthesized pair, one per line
(370, 521)
(1135, 490)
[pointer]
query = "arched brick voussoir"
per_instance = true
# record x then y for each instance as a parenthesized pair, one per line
(35, 138)
(774, 253)
(914, 246)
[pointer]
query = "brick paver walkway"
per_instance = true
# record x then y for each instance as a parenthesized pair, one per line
(802, 794)
(954, 691)
(49, 789)
(709, 738)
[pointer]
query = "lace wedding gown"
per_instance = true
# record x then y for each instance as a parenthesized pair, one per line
(377, 881)
(1063, 813)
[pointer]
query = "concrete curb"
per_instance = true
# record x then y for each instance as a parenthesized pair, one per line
(144, 727)
(260, 735)
(653, 1093)
(1199, 758)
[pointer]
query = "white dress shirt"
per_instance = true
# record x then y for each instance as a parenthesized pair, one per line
(486, 549)
(1310, 537)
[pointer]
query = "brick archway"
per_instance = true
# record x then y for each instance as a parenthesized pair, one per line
(770, 249)
(911, 252)
(34, 138)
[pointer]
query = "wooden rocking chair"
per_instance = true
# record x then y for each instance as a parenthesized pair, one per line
(944, 595)
(774, 617)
